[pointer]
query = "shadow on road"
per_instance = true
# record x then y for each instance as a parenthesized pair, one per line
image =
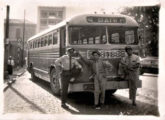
(36, 107)
(82, 103)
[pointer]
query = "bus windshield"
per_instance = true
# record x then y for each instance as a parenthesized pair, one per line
(82, 35)
(87, 35)
(122, 35)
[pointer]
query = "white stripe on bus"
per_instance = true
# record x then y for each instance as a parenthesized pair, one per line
(41, 70)
(44, 57)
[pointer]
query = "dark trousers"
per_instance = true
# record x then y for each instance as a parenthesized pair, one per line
(65, 78)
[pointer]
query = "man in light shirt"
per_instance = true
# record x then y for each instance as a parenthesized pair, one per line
(66, 63)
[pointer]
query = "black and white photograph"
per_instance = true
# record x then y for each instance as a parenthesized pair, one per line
(72, 59)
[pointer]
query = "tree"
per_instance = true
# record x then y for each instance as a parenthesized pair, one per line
(148, 20)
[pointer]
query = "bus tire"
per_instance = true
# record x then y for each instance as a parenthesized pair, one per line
(111, 92)
(54, 82)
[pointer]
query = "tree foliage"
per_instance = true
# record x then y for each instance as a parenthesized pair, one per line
(148, 19)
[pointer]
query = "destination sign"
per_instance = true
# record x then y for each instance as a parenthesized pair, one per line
(106, 19)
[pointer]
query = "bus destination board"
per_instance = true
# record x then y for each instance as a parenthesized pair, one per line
(106, 19)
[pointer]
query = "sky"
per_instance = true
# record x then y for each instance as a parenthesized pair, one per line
(73, 7)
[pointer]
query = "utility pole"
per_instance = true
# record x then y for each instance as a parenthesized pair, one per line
(23, 39)
(6, 41)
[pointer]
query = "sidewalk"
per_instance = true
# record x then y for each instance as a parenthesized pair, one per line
(17, 72)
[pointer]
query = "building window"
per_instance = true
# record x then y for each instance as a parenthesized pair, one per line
(43, 22)
(60, 13)
(52, 14)
(18, 33)
(52, 22)
(44, 14)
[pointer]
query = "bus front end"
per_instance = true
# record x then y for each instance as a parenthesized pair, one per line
(110, 36)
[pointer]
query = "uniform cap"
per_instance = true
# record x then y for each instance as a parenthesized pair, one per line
(70, 49)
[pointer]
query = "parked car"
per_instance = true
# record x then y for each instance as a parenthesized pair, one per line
(149, 65)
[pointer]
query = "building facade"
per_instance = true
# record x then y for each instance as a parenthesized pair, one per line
(48, 16)
(16, 27)
(15, 46)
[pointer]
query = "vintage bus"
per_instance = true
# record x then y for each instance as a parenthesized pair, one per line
(107, 33)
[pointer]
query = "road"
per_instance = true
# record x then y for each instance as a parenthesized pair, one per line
(25, 96)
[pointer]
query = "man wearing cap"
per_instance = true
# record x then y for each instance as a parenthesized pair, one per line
(66, 63)
(129, 69)
(99, 73)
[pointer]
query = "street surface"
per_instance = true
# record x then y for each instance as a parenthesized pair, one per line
(25, 96)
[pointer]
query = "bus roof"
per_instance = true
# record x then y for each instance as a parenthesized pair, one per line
(93, 20)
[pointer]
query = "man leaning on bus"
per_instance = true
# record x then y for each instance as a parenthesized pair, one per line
(128, 69)
(99, 74)
(66, 63)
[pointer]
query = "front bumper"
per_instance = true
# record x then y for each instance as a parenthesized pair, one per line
(89, 87)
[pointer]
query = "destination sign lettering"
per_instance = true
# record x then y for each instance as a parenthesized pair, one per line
(106, 20)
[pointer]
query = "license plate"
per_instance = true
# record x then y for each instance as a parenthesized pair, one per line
(108, 54)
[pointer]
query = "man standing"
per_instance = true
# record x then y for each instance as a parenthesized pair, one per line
(129, 69)
(99, 74)
(66, 63)
(10, 65)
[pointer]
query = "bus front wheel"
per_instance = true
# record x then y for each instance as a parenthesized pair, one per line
(54, 82)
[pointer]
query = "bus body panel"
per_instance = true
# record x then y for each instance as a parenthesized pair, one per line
(42, 60)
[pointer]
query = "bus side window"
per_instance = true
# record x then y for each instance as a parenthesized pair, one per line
(31, 44)
(42, 42)
(34, 44)
(50, 40)
(39, 42)
(55, 38)
(45, 41)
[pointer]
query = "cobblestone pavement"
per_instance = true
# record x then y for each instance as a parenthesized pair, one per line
(25, 96)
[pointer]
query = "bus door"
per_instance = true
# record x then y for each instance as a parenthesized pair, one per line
(62, 40)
